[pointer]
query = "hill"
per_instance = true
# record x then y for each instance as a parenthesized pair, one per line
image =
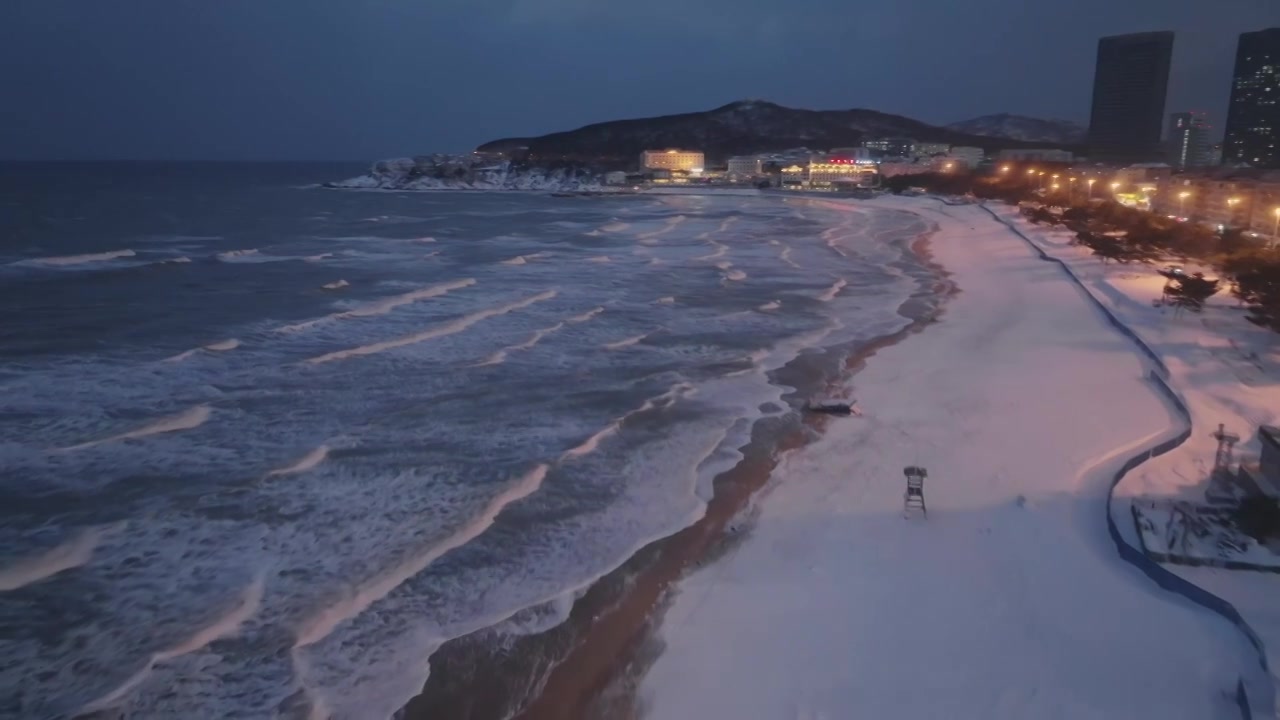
(739, 128)
(1021, 127)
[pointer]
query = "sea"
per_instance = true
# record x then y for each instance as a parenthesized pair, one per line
(265, 446)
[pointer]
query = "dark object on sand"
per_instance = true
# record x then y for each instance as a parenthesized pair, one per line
(832, 408)
(914, 496)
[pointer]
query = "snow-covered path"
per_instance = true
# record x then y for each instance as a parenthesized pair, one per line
(1226, 369)
(1009, 601)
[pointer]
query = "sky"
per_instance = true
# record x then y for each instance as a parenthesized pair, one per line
(368, 79)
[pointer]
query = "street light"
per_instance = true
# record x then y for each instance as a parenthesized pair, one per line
(1275, 231)
(1182, 204)
(1004, 169)
(1090, 182)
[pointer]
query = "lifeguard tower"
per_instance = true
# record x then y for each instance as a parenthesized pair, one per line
(913, 498)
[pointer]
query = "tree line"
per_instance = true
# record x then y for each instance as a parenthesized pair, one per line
(1117, 233)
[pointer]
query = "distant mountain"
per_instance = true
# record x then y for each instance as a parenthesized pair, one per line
(1021, 127)
(747, 126)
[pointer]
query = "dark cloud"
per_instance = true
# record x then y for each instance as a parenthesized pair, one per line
(355, 79)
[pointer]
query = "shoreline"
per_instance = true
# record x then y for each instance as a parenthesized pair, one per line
(567, 671)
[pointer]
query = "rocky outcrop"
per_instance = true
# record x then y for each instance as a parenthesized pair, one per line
(453, 172)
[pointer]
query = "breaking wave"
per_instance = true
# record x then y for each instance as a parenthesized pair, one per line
(304, 463)
(627, 342)
(591, 444)
(186, 420)
(73, 553)
(319, 625)
(585, 316)
(449, 328)
(66, 260)
(384, 306)
(335, 285)
(225, 626)
(830, 293)
(232, 255)
(501, 356)
(771, 305)
(220, 346)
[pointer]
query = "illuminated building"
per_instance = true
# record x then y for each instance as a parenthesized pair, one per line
(1253, 117)
(849, 169)
(893, 147)
(745, 166)
(1189, 144)
(687, 160)
(1129, 86)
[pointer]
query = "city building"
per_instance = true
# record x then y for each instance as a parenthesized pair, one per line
(687, 160)
(1129, 86)
(929, 149)
(893, 147)
(793, 176)
(852, 168)
(971, 157)
(1246, 199)
(745, 166)
(1053, 155)
(1189, 143)
(1253, 117)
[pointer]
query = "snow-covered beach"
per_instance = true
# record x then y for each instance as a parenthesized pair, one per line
(1009, 601)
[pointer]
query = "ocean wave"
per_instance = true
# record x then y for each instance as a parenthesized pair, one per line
(627, 342)
(304, 463)
(585, 316)
(785, 256)
(599, 259)
(591, 444)
(668, 300)
(175, 261)
(186, 420)
(66, 260)
(830, 293)
(76, 551)
(522, 259)
(220, 346)
(614, 227)
(500, 356)
(721, 251)
(335, 285)
(384, 306)
(224, 626)
(318, 258)
(323, 622)
(424, 239)
(735, 275)
(724, 265)
(671, 224)
(449, 328)
(771, 305)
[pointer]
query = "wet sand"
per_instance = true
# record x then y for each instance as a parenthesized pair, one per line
(588, 666)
